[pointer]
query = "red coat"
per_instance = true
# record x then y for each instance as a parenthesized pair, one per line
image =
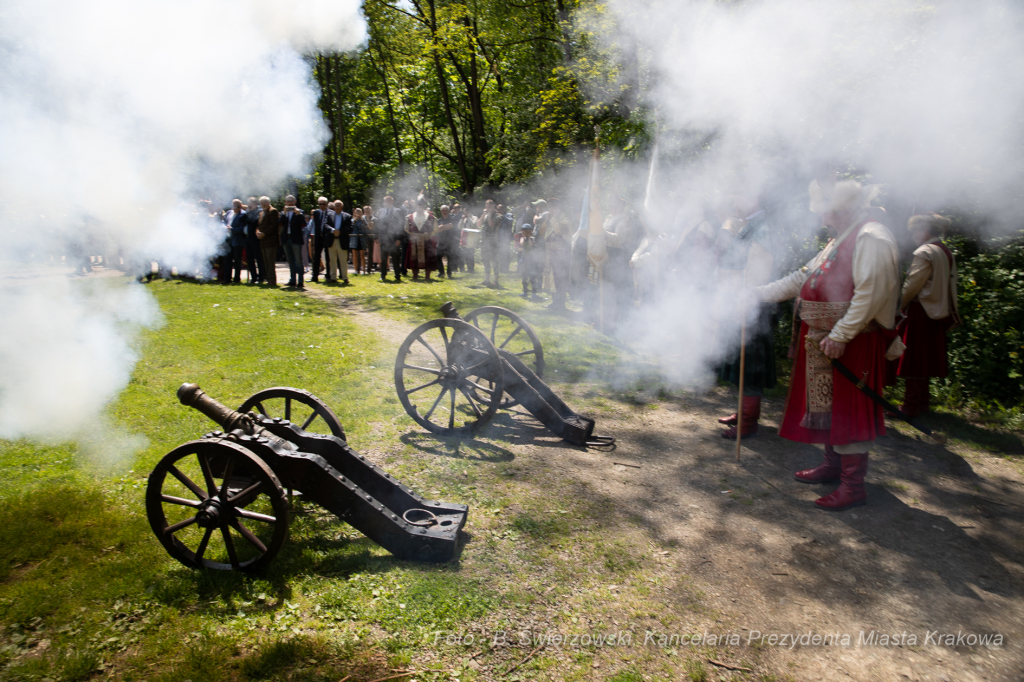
(854, 416)
(925, 339)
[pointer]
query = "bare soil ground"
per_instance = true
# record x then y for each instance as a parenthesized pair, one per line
(935, 553)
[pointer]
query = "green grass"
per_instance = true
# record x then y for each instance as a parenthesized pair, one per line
(87, 591)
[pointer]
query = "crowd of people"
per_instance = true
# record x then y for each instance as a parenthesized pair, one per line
(536, 240)
(855, 314)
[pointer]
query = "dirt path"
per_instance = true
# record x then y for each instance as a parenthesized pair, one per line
(936, 553)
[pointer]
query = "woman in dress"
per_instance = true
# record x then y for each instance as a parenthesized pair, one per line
(355, 241)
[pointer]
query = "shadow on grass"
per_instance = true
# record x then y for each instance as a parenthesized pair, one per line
(974, 436)
(456, 447)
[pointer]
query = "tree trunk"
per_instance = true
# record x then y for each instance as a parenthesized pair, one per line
(442, 81)
(382, 70)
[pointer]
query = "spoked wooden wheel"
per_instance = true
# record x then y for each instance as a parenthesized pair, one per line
(508, 331)
(302, 408)
(205, 519)
(449, 377)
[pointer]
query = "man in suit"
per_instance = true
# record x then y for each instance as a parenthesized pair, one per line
(293, 239)
(337, 250)
(268, 231)
(390, 228)
(323, 219)
(254, 253)
(237, 222)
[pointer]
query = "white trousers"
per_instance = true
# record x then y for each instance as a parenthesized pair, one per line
(337, 257)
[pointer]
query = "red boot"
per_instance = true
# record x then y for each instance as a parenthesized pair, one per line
(730, 420)
(850, 492)
(826, 472)
(751, 413)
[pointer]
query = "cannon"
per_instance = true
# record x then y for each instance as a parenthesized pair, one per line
(452, 374)
(220, 502)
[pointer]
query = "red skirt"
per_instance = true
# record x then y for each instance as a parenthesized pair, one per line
(925, 338)
(412, 261)
(855, 417)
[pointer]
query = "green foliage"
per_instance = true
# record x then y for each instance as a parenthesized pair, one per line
(985, 359)
(477, 95)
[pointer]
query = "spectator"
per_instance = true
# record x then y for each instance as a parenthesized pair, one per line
(469, 238)
(355, 241)
(293, 238)
(269, 233)
(389, 229)
(238, 221)
(323, 218)
(490, 223)
(371, 247)
(505, 234)
(623, 236)
(419, 226)
(530, 262)
(447, 243)
(558, 249)
(337, 256)
(253, 252)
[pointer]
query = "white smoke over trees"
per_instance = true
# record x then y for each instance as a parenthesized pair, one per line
(754, 98)
(115, 117)
(925, 97)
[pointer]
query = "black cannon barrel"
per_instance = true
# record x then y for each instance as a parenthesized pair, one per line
(193, 396)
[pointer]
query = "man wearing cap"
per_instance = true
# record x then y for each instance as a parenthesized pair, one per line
(846, 301)
(929, 300)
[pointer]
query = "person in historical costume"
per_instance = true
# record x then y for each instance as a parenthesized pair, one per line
(747, 260)
(846, 301)
(419, 225)
(929, 301)
(623, 235)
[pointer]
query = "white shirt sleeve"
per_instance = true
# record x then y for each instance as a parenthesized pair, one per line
(875, 283)
(789, 286)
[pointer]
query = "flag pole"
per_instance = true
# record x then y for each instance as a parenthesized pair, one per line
(593, 216)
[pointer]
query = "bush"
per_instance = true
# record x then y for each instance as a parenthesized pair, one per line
(985, 363)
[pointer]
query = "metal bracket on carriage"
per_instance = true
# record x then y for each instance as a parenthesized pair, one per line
(487, 360)
(219, 502)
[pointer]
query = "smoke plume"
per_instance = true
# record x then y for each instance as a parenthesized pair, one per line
(115, 118)
(757, 97)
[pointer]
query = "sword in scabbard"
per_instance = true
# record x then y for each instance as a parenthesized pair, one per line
(862, 386)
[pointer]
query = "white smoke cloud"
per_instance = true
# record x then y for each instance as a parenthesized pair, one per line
(925, 97)
(112, 114)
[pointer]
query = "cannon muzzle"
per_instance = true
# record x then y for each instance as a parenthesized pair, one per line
(193, 396)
